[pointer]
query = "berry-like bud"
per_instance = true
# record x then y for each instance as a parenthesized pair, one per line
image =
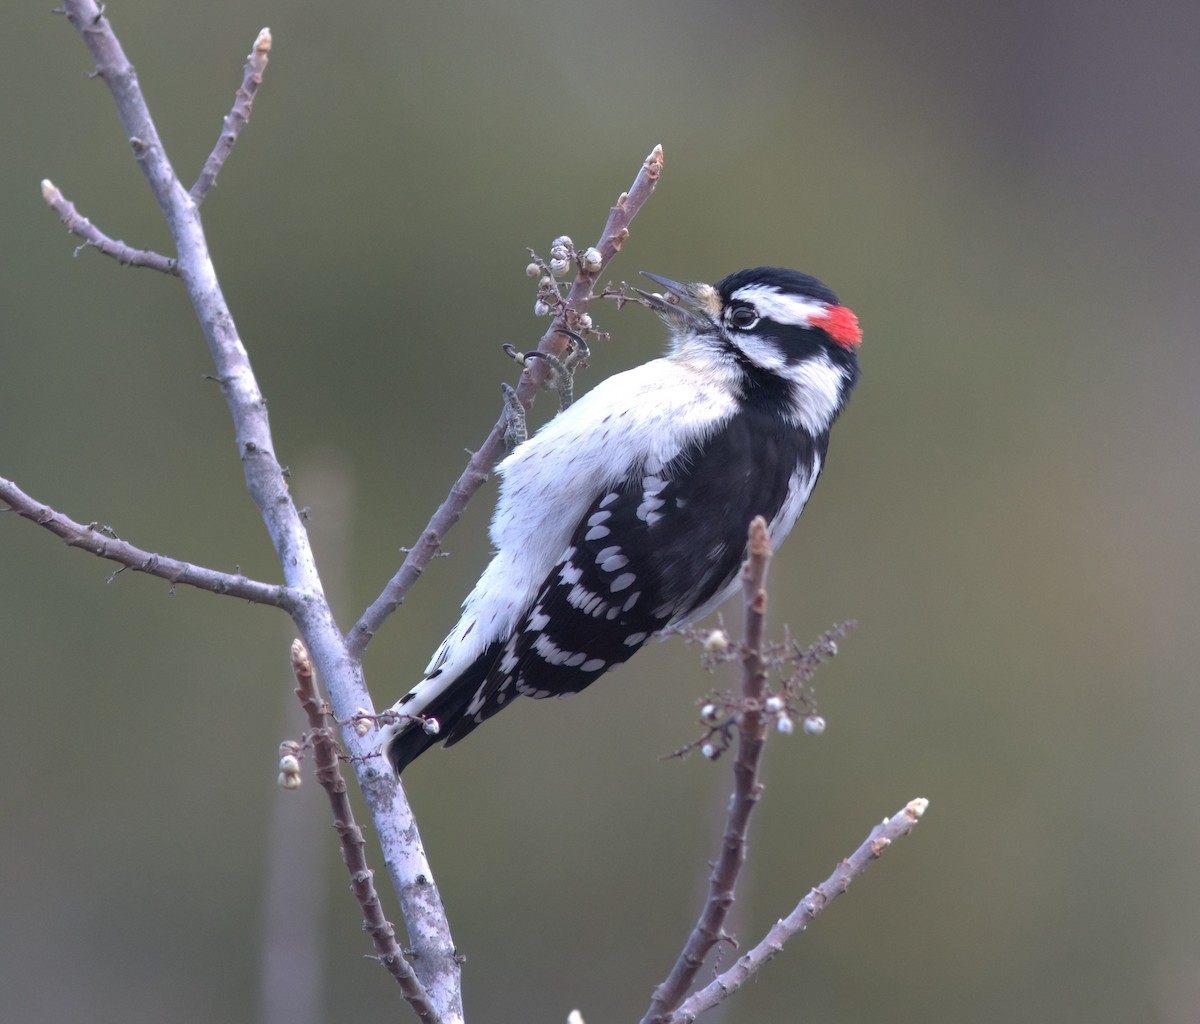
(784, 723)
(363, 725)
(559, 265)
(774, 704)
(709, 751)
(540, 308)
(431, 726)
(563, 242)
(288, 747)
(717, 642)
(814, 725)
(710, 714)
(585, 321)
(590, 259)
(532, 270)
(289, 770)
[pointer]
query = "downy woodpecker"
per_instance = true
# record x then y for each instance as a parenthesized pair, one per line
(625, 516)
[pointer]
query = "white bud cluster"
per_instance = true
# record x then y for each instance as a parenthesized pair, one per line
(585, 321)
(774, 704)
(710, 714)
(532, 270)
(784, 723)
(814, 725)
(717, 642)
(710, 751)
(540, 308)
(559, 266)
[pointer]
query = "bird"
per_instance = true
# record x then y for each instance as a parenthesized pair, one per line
(625, 517)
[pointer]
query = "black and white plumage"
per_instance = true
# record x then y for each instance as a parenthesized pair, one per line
(626, 515)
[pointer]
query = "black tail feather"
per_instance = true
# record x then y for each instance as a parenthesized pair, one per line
(448, 709)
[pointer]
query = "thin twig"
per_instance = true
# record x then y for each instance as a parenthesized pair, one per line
(749, 963)
(329, 775)
(94, 238)
(616, 230)
(752, 735)
(100, 541)
(238, 116)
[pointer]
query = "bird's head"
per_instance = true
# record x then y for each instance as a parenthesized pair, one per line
(782, 334)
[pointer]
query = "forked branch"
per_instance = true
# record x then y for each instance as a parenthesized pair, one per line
(748, 964)
(437, 965)
(339, 658)
(668, 1004)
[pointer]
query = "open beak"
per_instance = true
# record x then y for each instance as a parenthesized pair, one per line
(681, 305)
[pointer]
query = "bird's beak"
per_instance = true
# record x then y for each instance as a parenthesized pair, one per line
(682, 305)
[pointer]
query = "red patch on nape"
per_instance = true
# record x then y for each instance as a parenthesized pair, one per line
(841, 325)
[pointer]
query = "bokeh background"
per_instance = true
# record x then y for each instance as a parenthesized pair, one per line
(1007, 196)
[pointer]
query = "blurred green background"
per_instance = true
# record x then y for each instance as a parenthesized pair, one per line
(1005, 194)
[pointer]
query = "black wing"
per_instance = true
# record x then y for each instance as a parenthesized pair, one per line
(646, 553)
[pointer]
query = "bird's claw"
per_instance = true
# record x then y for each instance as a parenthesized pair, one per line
(515, 430)
(561, 377)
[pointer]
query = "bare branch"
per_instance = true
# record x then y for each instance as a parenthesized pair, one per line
(100, 542)
(329, 775)
(437, 961)
(616, 230)
(267, 485)
(264, 475)
(747, 965)
(752, 736)
(93, 237)
(237, 118)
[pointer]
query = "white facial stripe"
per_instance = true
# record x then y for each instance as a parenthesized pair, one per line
(818, 386)
(764, 352)
(784, 309)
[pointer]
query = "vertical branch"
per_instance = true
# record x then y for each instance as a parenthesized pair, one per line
(329, 775)
(752, 736)
(265, 481)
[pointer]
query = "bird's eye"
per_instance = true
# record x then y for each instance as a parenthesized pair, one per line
(743, 317)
